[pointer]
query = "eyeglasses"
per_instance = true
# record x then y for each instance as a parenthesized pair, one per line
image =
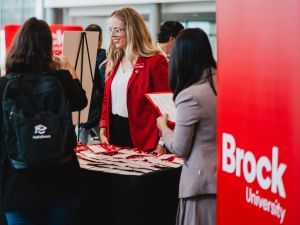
(116, 30)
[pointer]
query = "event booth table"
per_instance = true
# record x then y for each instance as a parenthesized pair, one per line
(126, 187)
(112, 199)
(123, 199)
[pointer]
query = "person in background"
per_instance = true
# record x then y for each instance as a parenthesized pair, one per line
(193, 83)
(134, 67)
(91, 127)
(167, 35)
(49, 194)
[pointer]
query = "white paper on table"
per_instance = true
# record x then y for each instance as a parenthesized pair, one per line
(127, 151)
(131, 152)
(129, 156)
(121, 156)
(133, 164)
(165, 156)
(100, 160)
(96, 148)
(162, 163)
(175, 160)
(87, 157)
(144, 164)
(178, 161)
(141, 164)
(88, 154)
(94, 168)
(163, 101)
(82, 162)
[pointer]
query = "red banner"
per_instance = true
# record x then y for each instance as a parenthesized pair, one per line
(258, 112)
(57, 35)
(10, 32)
(57, 31)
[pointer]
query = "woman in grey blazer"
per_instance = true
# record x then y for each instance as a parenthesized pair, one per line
(192, 80)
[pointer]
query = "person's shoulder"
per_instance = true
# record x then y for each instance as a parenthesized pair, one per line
(3, 82)
(3, 78)
(157, 58)
(185, 94)
(101, 51)
(200, 93)
(61, 72)
(62, 75)
(195, 91)
(101, 55)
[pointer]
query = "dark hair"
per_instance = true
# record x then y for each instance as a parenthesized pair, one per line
(31, 50)
(169, 29)
(94, 27)
(191, 55)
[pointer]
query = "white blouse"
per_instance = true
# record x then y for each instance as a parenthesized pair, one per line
(119, 92)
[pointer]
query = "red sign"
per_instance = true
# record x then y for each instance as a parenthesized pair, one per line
(57, 34)
(258, 112)
(10, 32)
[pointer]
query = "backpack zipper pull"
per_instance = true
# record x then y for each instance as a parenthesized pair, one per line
(10, 114)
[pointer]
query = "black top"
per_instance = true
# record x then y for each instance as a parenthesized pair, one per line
(97, 92)
(32, 188)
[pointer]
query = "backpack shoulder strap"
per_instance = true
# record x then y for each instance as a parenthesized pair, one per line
(11, 76)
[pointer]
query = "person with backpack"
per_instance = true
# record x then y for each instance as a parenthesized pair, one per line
(39, 171)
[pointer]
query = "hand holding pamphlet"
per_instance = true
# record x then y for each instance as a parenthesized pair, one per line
(163, 102)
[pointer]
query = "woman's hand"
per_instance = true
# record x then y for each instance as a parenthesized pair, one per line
(63, 61)
(103, 137)
(162, 122)
(65, 64)
(160, 150)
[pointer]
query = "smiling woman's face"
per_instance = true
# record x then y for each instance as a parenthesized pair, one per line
(117, 32)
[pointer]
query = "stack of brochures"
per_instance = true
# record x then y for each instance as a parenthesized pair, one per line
(112, 159)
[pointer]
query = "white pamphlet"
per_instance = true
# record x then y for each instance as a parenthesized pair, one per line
(163, 101)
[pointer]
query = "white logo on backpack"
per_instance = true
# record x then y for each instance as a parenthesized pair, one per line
(40, 130)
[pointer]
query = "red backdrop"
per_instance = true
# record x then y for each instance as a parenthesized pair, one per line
(56, 29)
(10, 32)
(258, 112)
(57, 35)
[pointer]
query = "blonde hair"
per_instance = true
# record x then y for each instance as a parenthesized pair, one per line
(139, 41)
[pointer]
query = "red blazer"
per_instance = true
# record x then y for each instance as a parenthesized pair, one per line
(150, 74)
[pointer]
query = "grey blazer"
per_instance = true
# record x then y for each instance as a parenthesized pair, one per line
(194, 139)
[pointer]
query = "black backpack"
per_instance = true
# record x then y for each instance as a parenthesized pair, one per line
(36, 121)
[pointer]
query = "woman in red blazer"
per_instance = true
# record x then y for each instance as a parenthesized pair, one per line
(135, 67)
